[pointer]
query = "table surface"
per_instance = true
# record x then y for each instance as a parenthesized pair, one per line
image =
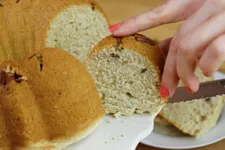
(118, 10)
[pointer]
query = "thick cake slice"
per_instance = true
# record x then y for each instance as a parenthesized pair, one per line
(127, 72)
(195, 117)
(73, 25)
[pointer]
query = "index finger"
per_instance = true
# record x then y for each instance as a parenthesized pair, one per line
(169, 12)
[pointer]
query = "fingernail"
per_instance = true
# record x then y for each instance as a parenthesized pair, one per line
(189, 89)
(206, 74)
(114, 27)
(164, 92)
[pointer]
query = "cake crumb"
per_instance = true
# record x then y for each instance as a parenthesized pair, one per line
(107, 121)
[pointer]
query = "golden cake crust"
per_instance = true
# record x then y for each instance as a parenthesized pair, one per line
(137, 42)
(25, 24)
(56, 104)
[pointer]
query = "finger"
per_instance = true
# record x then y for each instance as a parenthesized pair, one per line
(208, 9)
(213, 57)
(186, 65)
(170, 78)
(197, 40)
(164, 45)
(172, 11)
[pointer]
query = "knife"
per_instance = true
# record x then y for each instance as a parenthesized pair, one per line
(206, 90)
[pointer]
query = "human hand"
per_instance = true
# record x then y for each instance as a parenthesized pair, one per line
(200, 40)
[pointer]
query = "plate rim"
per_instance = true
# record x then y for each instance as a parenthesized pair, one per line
(182, 147)
(217, 75)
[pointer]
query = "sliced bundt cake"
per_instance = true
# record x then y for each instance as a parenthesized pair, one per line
(72, 25)
(47, 100)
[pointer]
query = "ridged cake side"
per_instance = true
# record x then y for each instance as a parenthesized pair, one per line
(55, 104)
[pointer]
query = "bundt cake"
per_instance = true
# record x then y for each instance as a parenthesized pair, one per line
(48, 100)
(127, 72)
(72, 25)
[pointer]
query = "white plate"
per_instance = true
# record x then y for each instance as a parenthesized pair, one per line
(162, 141)
(123, 133)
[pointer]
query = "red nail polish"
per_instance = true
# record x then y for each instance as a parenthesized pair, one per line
(164, 92)
(189, 89)
(114, 27)
(206, 74)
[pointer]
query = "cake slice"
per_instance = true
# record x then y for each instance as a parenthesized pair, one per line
(165, 128)
(127, 72)
(195, 117)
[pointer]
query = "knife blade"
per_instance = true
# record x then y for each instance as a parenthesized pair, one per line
(206, 90)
